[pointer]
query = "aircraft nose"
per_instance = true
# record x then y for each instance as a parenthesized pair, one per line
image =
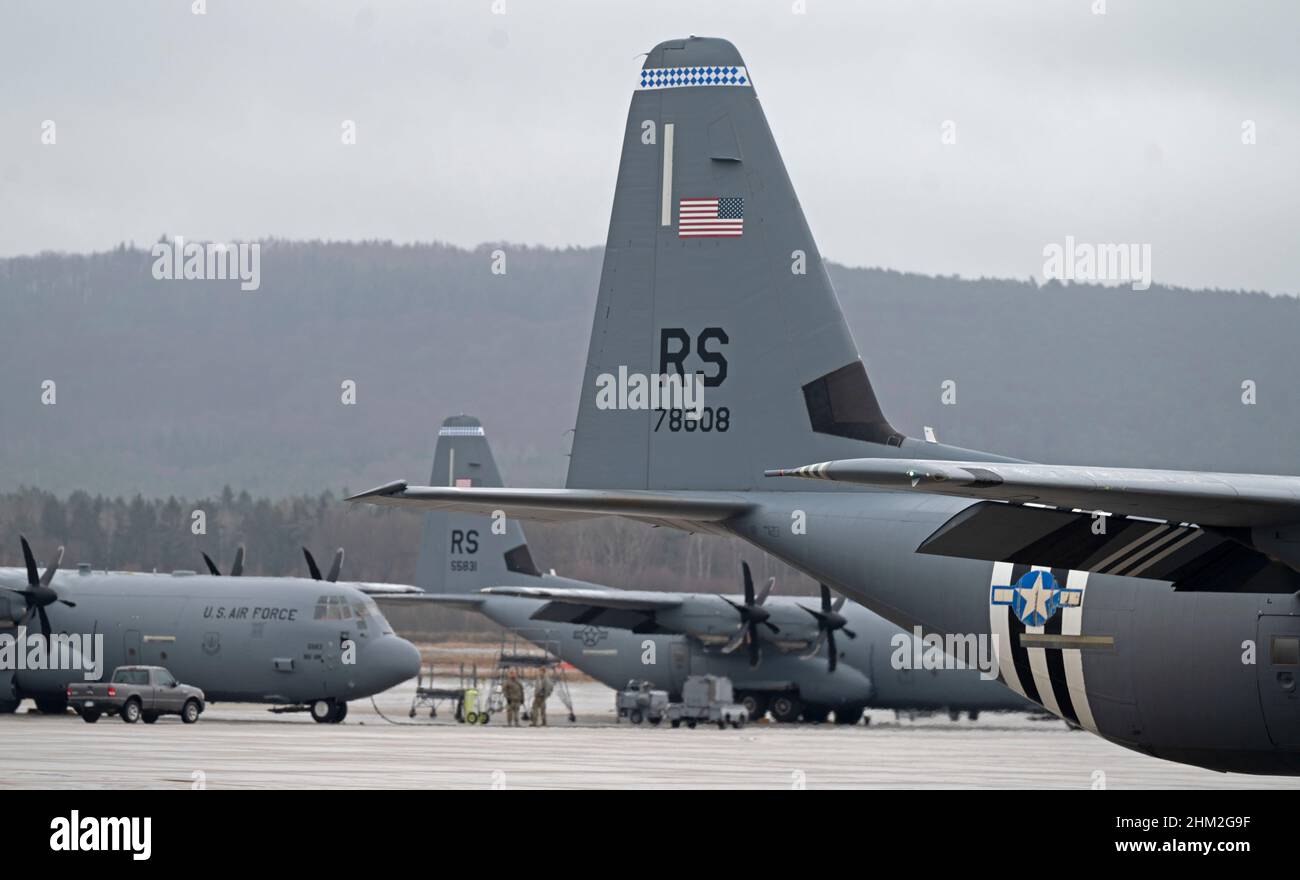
(393, 661)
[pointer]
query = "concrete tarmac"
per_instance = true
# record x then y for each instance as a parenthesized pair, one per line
(242, 746)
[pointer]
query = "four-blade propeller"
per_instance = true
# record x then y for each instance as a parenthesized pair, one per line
(39, 593)
(752, 616)
(829, 620)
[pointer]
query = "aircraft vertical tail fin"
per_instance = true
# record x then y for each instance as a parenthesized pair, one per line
(710, 271)
(462, 552)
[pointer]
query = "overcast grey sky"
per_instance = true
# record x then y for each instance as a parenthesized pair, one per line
(474, 126)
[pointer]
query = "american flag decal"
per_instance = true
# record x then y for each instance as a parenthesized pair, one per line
(711, 218)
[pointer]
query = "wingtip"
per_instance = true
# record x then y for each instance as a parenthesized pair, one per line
(397, 487)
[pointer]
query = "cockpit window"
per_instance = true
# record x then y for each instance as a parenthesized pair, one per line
(371, 610)
(332, 608)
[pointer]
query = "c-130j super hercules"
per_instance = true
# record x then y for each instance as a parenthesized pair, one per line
(1174, 630)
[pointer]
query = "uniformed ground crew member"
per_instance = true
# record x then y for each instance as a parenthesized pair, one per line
(541, 691)
(513, 691)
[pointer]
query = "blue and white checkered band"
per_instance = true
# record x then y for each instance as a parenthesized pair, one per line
(683, 77)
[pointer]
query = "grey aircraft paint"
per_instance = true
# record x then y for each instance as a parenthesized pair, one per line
(1204, 672)
(248, 639)
(462, 553)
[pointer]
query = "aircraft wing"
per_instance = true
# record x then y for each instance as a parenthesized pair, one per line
(623, 609)
(636, 600)
(403, 594)
(1208, 499)
(374, 588)
(693, 511)
(1199, 531)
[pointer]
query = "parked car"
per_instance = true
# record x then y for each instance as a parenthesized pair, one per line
(136, 693)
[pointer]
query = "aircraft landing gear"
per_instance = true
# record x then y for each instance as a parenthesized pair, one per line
(848, 715)
(328, 711)
(755, 705)
(51, 705)
(786, 708)
(816, 714)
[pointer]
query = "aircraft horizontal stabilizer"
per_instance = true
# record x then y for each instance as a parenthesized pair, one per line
(1188, 556)
(682, 510)
(1208, 499)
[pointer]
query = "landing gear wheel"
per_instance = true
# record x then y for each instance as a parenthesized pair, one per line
(131, 711)
(52, 705)
(786, 709)
(755, 704)
(848, 716)
(90, 717)
(635, 716)
(816, 714)
(191, 710)
(340, 712)
(322, 711)
(676, 723)
(954, 714)
(690, 724)
(148, 717)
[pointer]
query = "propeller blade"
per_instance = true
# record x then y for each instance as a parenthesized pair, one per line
(45, 621)
(826, 597)
(212, 566)
(839, 604)
(830, 645)
(755, 653)
(749, 583)
(311, 564)
(772, 626)
(238, 568)
(336, 567)
(736, 641)
(848, 632)
(69, 604)
(48, 577)
(33, 579)
(816, 645)
(766, 591)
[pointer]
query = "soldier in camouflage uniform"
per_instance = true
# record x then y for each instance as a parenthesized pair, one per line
(513, 691)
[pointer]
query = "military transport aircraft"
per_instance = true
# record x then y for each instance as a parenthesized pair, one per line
(796, 657)
(1155, 608)
(274, 640)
